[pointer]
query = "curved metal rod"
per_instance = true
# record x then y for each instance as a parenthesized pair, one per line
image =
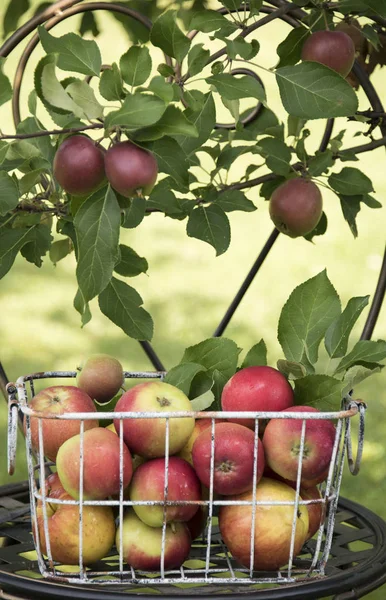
(254, 113)
(65, 14)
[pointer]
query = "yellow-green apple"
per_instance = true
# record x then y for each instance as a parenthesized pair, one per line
(233, 458)
(273, 526)
(256, 389)
(142, 544)
(148, 484)
(101, 377)
(136, 459)
(282, 443)
(58, 400)
(146, 437)
(63, 527)
(100, 464)
(199, 426)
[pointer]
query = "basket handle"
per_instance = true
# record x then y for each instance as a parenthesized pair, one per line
(13, 408)
(354, 465)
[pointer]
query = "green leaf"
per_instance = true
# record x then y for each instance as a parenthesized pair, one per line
(9, 193)
(15, 10)
(172, 122)
(197, 58)
(123, 306)
(370, 201)
(350, 181)
(320, 163)
(183, 374)
(74, 53)
(166, 34)
(351, 206)
(136, 65)
(97, 228)
(5, 86)
(278, 155)
(29, 180)
(305, 318)
(313, 91)
(88, 24)
(240, 47)
(42, 143)
(320, 391)
(291, 369)
(171, 159)
(161, 88)
(11, 241)
(49, 89)
(165, 70)
(110, 84)
(233, 88)
(82, 307)
(38, 245)
(133, 212)
(83, 95)
(208, 20)
(204, 119)
(60, 249)
(215, 354)
(290, 49)
(164, 200)
(355, 375)
(256, 356)
(130, 263)
(231, 200)
(320, 229)
(138, 110)
(363, 351)
(211, 225)
(229, 154)
(337, 335)
(371, 36)
(203, 402)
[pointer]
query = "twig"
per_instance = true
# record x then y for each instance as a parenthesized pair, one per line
(25, 136)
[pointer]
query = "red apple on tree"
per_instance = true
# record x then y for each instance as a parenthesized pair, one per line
(273, 526)
(79, 165)
(148, 483)
(146, 437)
(296, 207)
(282, 439)
(233, 458)
(256, 389)
(335, 49)
(63, 527)
(131, 170)
(59, 400)
(101, 464)
(142, 544)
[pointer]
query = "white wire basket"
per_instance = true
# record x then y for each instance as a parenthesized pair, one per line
(209, 561)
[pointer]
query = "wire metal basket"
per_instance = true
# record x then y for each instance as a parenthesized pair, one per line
(209, 561)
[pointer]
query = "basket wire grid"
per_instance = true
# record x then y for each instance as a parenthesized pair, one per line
(213, 562)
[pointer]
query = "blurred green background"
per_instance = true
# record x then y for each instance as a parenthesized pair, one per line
(188, 289)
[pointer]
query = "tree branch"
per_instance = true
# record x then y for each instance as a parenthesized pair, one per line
(26, 136)
(365, 147)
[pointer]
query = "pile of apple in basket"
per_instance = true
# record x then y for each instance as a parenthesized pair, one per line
(146, 481)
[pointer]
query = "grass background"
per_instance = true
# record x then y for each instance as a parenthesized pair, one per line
(188, 289)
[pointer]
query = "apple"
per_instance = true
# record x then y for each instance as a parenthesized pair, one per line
(197, 523)
(316, 510)
(273, 526)
(101, 377)
(281, 442)
(131, 170)
(335, 49)
(296, 207)
(309, 483)
(148, 484)
(101, 464)
(59, 400)
(79, 165)
(256, 389)
(142, 544)
(199, 426)
(233, 458)
(63, 527)
(146, 437)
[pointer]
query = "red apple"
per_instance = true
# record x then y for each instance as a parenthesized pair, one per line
(273, 526)
(335, 49)
(101, 377)
(197, 523)
(142, 544)
(101, 464)
(148, 484)
(316, 510)
(233, 458)
(256, 389)
(130, 169)
(59, 400)
(146, 437)
(281, 442)
(309, 483)
(79, 165)
(63, 527)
